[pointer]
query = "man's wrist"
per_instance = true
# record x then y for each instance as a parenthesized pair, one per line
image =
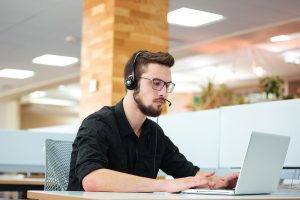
(160, 185)
(200, 173)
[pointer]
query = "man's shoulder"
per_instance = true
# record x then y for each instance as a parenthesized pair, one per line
(105, 114)
(100, 123)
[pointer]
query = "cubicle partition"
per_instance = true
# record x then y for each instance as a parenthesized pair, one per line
(24, 151)
(218, 138)
(237, 123)
(197, 134)
(215, 138)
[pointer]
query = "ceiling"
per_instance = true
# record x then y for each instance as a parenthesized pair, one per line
(232, 46)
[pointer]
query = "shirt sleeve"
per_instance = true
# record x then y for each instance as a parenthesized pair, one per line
(92, 147)
(174, 163)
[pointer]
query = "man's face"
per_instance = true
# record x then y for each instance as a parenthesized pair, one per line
(151, 101)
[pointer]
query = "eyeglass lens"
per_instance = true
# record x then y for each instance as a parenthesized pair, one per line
(159, 84)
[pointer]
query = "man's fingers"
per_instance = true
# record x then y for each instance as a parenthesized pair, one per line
(211, 184)
(231, 176)
(200, 182)
(207, 174)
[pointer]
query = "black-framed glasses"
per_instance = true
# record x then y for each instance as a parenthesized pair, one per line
(158, 84)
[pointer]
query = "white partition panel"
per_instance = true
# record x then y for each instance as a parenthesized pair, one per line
(196, 134)
(237, 123)
(23, 151)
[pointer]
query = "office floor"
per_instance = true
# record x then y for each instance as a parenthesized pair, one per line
(7, 195)
(10, 196)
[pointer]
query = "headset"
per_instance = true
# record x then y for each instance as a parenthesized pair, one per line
(130, 81)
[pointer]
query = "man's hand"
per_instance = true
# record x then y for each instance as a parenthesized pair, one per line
(225, 182)
(180, 184)
(231, 180)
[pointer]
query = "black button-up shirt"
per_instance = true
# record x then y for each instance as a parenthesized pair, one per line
(106, 140)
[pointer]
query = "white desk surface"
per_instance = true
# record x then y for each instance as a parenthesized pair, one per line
(68, 195)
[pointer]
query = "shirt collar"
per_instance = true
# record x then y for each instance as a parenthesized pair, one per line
(125, 127)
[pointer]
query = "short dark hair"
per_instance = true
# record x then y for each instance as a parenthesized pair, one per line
(146, 57)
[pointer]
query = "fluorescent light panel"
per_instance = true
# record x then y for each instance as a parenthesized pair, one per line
(191, 17)
(37, 94)
(54, 60)
(16, 73)
(52, 101)
(280, 38)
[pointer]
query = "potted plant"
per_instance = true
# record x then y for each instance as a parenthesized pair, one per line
(213, 96)
(272, 85)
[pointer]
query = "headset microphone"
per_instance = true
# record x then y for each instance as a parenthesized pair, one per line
(170, 103)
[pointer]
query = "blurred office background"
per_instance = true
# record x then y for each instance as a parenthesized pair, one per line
(249, 54)
(253, 45)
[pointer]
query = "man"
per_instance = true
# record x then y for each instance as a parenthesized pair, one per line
(118, 149)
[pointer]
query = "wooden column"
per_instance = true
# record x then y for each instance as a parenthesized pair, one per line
(112, 31)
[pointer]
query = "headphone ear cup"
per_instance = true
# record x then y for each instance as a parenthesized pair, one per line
(130, 83)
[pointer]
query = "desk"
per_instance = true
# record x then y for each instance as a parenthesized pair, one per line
(67, 195)
(21, 184)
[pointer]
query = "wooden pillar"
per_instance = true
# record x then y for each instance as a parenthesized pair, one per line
(112, 31)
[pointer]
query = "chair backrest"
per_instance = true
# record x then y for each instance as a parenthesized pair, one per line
(58, 156)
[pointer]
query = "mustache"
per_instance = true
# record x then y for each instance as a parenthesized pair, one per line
(162, 100)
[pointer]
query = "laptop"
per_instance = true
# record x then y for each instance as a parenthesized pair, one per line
(261, 168)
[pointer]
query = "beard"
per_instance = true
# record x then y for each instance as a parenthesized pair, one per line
(146, 110)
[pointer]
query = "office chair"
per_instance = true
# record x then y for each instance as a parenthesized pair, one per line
(58, 156)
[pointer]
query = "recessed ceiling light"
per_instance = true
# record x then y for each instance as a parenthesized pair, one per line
(280, 38)
(16, 73)
(192, 17)
(37, 94)
(259, 71)
(61, 87)
(292, 57)
(54, 60)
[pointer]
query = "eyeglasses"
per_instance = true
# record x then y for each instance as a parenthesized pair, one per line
(158, 84)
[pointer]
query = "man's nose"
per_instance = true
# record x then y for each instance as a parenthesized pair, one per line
(163, 92)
